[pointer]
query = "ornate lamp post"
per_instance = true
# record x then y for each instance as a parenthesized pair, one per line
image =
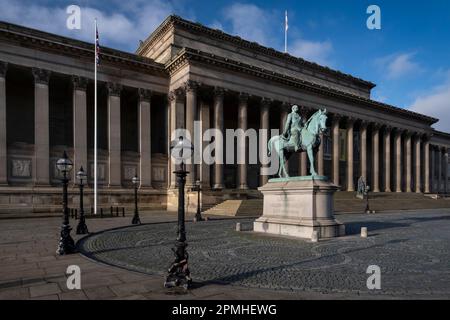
(66, 243)
(136, 219)
(197, 187)
(179, 274)
(82, 178)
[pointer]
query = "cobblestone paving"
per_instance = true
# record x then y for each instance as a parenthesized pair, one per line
(412, 249)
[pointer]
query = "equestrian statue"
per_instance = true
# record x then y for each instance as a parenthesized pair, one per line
(298, 136)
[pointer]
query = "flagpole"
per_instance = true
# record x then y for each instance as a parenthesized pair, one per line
(285, 30)
(95, 119)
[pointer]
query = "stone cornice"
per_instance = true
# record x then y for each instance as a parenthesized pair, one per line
(187, 55)
(36, 39)
(175, 21)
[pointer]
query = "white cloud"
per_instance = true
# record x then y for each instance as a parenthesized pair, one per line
(398, 65)
(436, 104)
(122, 30)
(250, 22)
(315, 51)
(266, 27)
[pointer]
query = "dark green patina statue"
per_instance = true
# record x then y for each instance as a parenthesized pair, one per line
(298, 136)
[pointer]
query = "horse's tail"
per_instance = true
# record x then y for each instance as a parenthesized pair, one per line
(269, 147)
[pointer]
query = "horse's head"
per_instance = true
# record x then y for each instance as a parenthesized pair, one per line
(322, 120)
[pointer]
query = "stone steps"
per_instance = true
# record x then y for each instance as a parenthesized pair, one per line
(343, 202)
(247, 207)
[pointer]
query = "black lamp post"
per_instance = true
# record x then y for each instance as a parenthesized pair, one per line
(366, 191)
(82, 227)
(197, 187)
(66, 243)
(136, 219)
(179, 274)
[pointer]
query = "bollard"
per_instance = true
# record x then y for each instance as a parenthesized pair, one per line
(315, 236)
(117, 211)
(92, 211)
(238, 226)
(76, 214)
(364, 232)
(111, 211)
(101, 212)
(123, 212)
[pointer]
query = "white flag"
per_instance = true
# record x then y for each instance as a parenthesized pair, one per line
(286, 22)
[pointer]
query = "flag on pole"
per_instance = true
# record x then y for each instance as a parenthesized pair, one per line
(97, 45)
(286, 27)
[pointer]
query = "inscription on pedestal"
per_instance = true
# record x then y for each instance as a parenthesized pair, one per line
(21, 168)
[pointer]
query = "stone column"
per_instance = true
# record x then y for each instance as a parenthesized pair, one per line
(41, 168)
(408, 161)
(350, 181)
(363, 160)
(264, 125)
(376, 157)
(417, 165)
(191, 113)
(439, 171)
(145, 142)
(433, 169)
(426, 163)
(80, 148)
(335, 133)
(242, 124)
(398, 160)
(283, 117)
(320, 164)
(204, 167)
(3, 141)
(114, 146)
(176, 121)
(219, 125)
(445, 168)
(387, 159)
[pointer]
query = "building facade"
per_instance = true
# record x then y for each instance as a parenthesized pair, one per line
(185, 72)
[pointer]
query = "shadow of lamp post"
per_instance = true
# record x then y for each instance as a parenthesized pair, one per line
(179, 274)
(136, 218)
(82, 227)
(66, 243)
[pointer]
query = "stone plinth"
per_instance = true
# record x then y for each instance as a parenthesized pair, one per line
(298, 206)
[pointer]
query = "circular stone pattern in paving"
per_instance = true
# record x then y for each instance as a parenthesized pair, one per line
(412, 250)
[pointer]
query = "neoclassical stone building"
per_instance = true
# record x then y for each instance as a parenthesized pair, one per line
(185, 72)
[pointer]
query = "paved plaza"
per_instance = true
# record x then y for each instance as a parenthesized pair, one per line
(119, 261)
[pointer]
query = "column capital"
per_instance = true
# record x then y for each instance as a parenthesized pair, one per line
(363, 123)
(426, 137)
(3, 68)
(191, 86)
(178, 93)
(388, 128)
(376, 126)
(41, 76)
(336, 117)
(350, 120)
(219, 92)
(79, 83)
(114, 89)
(408, 133)
(145, 94)
(265, 102)
(243, 97)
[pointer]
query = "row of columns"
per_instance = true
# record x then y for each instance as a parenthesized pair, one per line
(411, 140)
(41, 162)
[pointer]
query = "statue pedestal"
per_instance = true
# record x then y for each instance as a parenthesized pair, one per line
(298, 206)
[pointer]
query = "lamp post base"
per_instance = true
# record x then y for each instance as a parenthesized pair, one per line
(136, 220)
(66, 243)
(179, 274)
(82, 228)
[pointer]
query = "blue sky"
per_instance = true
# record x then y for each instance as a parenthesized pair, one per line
(408, 59)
